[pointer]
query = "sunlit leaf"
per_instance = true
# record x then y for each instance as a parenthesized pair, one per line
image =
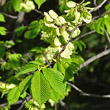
(40, 88)
(13, 95)
(56, 80)
(2, 19)
(27, 68)
(39, 2)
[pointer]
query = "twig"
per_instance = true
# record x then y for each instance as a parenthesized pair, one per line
(55, 106)
(25, 100)
(108, 37)
(46, 59)
(6, 104)
(99, 6)
(91, 32)
(38, 12)
(63, 104)
(16, 103)
(106, 52)
(8, 15)
(85, 93)
(94, 2)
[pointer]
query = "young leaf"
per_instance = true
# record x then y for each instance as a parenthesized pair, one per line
(26, 69)
(107, 23)
(2, 30)
(70, 67)
(59, 67)
(37, 62)
(16, 4)
(2, 19)
(98, 26)
(14, 60)
(13, 95)
(24, 84)
(34, 29)
(20, 30)
(62, 7)
(23, 95)
(56, 80)
(40, 88)
(39, 2)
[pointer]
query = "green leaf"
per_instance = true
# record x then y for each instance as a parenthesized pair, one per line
(54, 95)
(40, 88)
(38, 50)
(2, 30)
(16, 4)
(62, 7)
(107, 23)
(5, 65)
(107, 7)
(23, 95)
(34, 24)
(2, 19)
(59, 67)
(70, 67)
(24, 84)
(20, 30)
(37, 62)
(8, 6)
(34, 30)
(56, 80)
(98, 26)
(26, 69)
(13, 95)
(39, 2)
(9, 43)
(14, 60)
(68, 71)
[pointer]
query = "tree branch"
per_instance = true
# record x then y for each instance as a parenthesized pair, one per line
(107, 35)
(25, 100)
(6, 104)
(8, 15)
(37, 11)
(16, 103)
(85, 93)
(106, 52)
(86, 34)
(99, 6)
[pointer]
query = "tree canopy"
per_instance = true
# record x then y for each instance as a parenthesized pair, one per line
(54, 54)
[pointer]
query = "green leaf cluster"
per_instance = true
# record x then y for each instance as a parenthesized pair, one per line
(101, 24)
(33, 30)
(36, 78)
(43, 86)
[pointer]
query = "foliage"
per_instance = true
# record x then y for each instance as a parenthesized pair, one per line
(43, 71)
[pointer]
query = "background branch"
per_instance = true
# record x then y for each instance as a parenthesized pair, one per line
(85, 93)
(8, 15)
(107, 35)
(16, 103)
(106, 52)
(99, 6)
(86, 34)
